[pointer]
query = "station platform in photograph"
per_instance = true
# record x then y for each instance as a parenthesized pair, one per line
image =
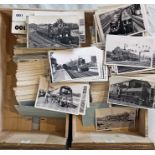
(63, 74)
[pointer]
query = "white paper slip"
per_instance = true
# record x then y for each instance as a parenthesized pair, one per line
(18, 28)
(20, 15)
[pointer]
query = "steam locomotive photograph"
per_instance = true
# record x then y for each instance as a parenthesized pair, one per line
(132, 92)
(122, 21)
(53, 32)
(129, 51)
(61, 98)
(115, 118)
(73, 65)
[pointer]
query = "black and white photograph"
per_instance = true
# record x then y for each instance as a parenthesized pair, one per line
(125, 20)
(81, 64)
(66, 98)
(129, 51)
(53, 31)
(115, 118)
(81, 18)
(127, 69)
(131, 91)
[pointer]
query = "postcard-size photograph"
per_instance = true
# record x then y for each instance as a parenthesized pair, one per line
(129, 51)
(124, 20)
(135, 91)
(115, 118)
(65, 97)
(81, 64)
(80, 14)
(53, 31)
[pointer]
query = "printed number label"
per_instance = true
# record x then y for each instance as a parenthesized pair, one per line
(19, 15)
(19, 27)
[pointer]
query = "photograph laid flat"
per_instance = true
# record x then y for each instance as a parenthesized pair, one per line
(124, 20)
(81, 64)
(64, 97)
(129, 51)
(53, 31)
(115, 118)
(132, 91)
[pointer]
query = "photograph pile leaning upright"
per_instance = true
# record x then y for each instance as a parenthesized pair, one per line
(132, 91)
(129, 51)
(123, 20)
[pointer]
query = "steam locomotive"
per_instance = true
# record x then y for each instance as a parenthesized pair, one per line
(115, 24)
(119, 54)
(60, 31)
(77, 65)
(121, 23)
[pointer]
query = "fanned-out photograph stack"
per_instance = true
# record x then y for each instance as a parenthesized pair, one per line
(107, 78)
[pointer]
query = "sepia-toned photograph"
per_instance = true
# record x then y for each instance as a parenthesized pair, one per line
(129, 51)
(53, 31)
(115, 118)
(82, 64)
(131, 92)
(124, 20)
(66, 98)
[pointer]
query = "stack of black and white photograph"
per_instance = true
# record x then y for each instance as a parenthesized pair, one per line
(65, 97)
(121, 20)
(48, 31)
(81, 64)
(116, 64)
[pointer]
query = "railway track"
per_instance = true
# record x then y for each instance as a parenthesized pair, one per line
(38, 40)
